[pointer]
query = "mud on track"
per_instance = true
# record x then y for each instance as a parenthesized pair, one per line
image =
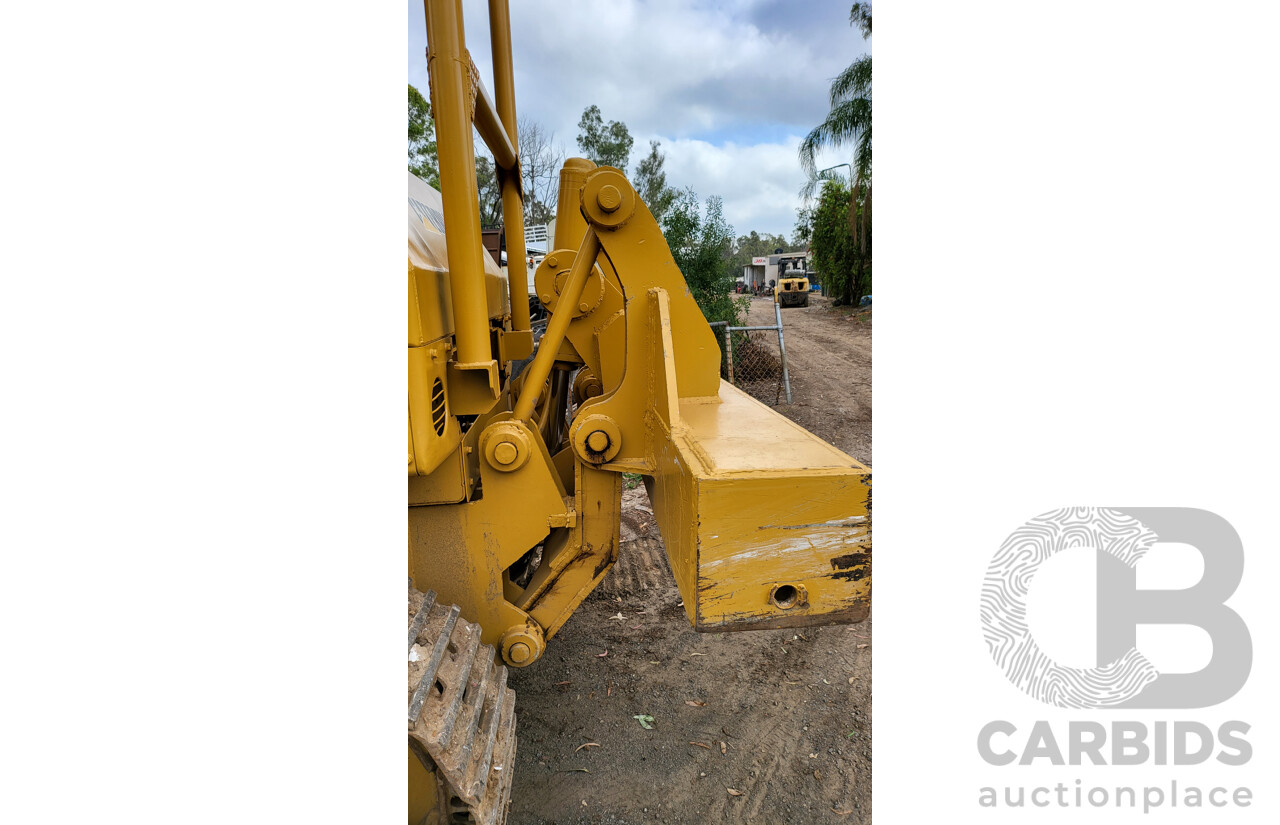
(787, 714)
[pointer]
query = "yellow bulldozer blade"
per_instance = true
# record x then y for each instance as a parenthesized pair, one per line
(765, 524)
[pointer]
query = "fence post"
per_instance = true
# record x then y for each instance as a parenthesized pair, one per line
(782, 349)
(728, 351)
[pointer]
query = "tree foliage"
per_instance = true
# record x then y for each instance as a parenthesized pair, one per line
(843, 262)
(605, 144)
(860, 16)
(700, 243)
(847, 252)
(803, 232)
(849, 120)
(490, 192)
(540, 162)
(422, 143)
(651, 182)
(756, 245)
(700, 240)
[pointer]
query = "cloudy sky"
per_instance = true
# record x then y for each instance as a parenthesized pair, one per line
(728, 87)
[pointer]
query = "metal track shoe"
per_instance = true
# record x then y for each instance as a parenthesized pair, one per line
(461, 714)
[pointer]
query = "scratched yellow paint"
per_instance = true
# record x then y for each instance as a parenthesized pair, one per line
(748, 502)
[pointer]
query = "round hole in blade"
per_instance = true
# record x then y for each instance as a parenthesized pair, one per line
(785, 596)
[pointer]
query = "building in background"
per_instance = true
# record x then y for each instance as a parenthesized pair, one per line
(757, 275)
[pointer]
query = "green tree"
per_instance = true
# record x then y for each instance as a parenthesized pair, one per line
(849, 120)
(606, 144)
(700, 243)
(844, 269)
(848, 123)
(651, 182)
(489, 191)
(803, 232)
(755, 245)
(422, 143)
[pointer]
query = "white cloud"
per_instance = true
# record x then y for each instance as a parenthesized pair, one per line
(728, 87)
(758, 182)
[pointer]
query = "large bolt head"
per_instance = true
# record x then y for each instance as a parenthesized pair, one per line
(553, 261)
(596, 438)
(505, 453)
(519, 653)
(609, 198)
(505, 446)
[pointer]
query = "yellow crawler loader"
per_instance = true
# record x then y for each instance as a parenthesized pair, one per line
(519, 435)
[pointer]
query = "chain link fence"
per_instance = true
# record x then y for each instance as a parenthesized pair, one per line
(754, 359)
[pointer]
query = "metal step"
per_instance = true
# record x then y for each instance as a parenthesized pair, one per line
(461, 713)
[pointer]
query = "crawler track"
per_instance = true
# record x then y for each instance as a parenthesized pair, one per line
(461, 712)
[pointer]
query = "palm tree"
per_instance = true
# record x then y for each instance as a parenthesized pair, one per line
(849, 121)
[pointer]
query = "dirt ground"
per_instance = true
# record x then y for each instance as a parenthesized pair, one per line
(770, 726)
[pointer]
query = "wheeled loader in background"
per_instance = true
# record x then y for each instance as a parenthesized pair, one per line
(518, 439)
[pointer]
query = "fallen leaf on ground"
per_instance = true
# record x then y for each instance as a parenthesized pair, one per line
(817, 774)
(618, 616)
(695, 703)
(851, 678)
(586, 745)
(734, 792)
(701, 745)
(645, 720)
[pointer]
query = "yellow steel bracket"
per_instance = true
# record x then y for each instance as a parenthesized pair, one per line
(463, 549)
(765, 524)
(577, 557)
(613, 430)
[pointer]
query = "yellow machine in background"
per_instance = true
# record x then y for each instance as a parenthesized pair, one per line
(516, 451)
(793, 282)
